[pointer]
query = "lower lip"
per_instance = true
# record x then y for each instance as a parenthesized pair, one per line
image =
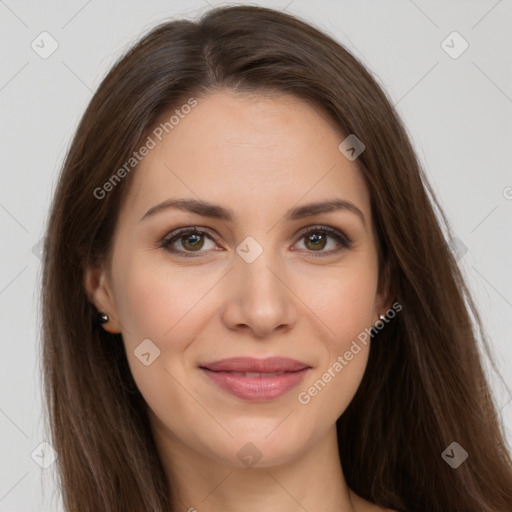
(256, 389)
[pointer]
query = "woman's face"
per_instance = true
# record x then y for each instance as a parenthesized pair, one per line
(248, 288)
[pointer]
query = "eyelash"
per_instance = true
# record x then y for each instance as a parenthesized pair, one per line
(172, 237)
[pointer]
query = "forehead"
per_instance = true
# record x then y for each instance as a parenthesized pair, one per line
(250, 149)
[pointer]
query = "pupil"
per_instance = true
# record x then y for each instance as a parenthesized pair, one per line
(194, 244)
(317, 240)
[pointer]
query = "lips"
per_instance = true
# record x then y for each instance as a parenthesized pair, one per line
(256, 379)
(251, 364)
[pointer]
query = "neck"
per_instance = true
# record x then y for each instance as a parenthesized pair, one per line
(312, 480)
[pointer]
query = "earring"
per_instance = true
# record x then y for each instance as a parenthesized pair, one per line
(381, 317)
(103, 318)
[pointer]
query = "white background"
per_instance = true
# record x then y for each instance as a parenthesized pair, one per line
(458, 113)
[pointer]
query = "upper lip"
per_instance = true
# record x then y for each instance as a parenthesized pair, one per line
(252, 364)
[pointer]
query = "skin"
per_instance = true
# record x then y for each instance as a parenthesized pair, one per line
(258, 155)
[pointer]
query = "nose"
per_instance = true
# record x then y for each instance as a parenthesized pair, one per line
(260, 301)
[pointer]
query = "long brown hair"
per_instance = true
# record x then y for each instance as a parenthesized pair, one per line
(424, 386)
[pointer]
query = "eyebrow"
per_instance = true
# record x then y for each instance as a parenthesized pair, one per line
(214, 211)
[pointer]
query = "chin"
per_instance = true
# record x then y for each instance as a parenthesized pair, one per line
(261, 444)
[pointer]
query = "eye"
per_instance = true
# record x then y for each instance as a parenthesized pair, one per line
(191, 240)
(316, 238)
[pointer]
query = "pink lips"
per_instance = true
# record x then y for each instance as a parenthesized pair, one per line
(256, 379)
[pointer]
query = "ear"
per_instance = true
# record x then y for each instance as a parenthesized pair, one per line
(384, 296)
(99, 292)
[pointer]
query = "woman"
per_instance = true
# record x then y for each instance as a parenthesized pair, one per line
(249, 302)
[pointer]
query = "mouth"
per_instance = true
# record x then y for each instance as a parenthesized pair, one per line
(255, 379)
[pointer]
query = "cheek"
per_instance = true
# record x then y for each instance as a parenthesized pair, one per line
(346, 307)
(167, 306)
(327, 395)
(343, 299)
(355, 305)
(157, 301)
(158, 305)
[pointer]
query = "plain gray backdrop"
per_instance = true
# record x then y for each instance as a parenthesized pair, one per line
(456, 104)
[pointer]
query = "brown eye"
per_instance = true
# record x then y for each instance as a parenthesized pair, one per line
(192, 241)
(316, 241)
(186, 241)
(317, 238)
